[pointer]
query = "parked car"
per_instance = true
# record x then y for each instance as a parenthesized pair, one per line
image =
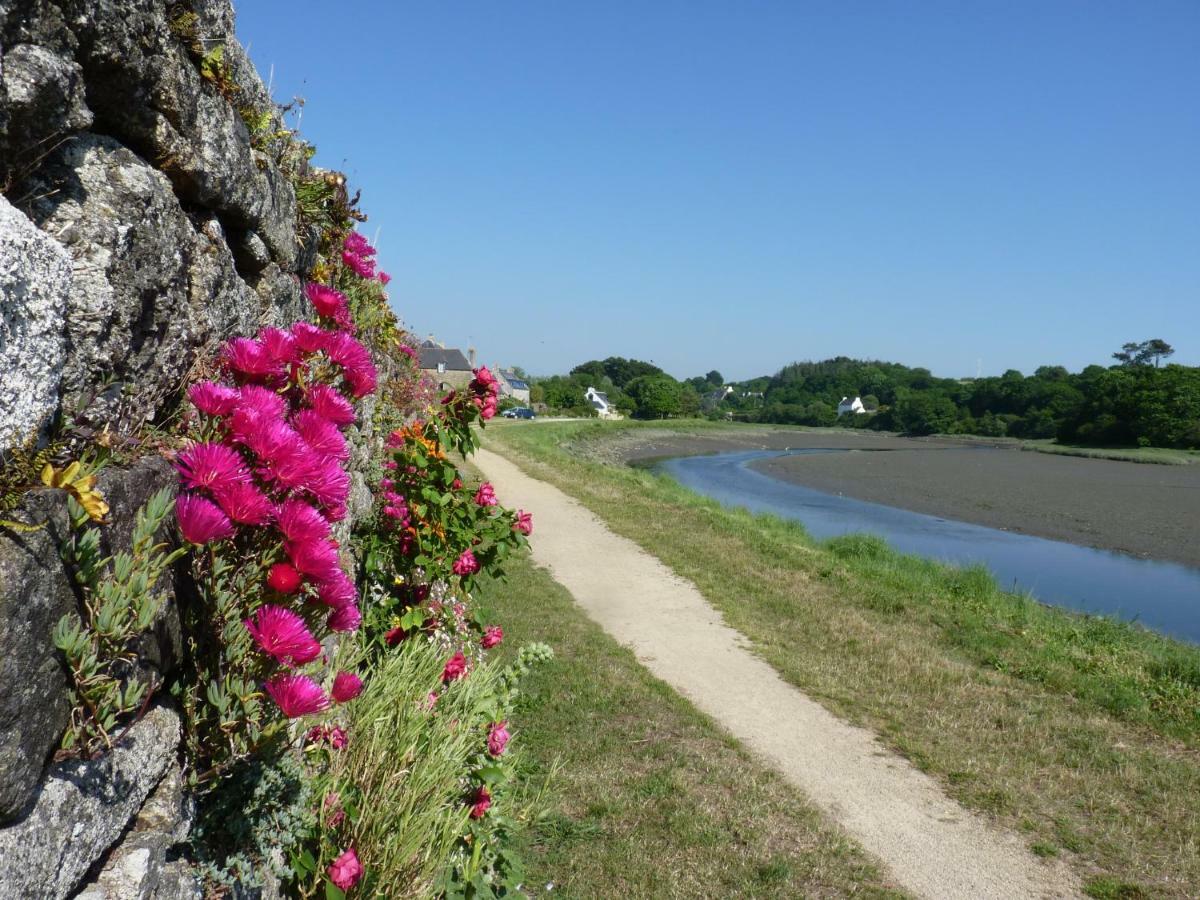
(519, 412)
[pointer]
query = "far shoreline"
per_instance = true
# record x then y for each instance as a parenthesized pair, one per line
(1146, 511)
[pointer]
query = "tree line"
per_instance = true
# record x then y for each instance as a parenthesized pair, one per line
(1138, 401)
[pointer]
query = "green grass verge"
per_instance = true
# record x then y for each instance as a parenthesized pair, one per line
(645, 796)
(1157, 455)
(1081, 732)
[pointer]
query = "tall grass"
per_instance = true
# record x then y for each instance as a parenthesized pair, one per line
(405, 767)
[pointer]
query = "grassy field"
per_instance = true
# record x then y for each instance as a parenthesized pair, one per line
(647, 798)
(1158, 455)
(1082, 733)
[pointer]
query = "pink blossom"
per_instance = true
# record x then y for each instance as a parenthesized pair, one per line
(362, 267)
(297, 695)
(322, 435)
(310, 338)
(344, 618)
(329, 484)
(430, 701)
(346, 686)
(337, 590)
(497, 738)
(484, 377)
(346, 870)
(492, 636)
(355, 360)
(262, 401)
(282, 634)
(244, 503)
(337, 738)
(329, 403)
(317, 558)
(280, 345)
(249, 359)
(524, 523)
(286, 458)
(211, 466)
(328, 302)
(284, 578)
(201, 520)
(213, 398)
(299, 522)
(358, 245)
(384, 278)
(486, 495)
(480, 803)
(466, 564)
(456, 667)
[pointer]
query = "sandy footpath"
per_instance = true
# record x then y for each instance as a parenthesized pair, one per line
(927, 842)
(1150, 511)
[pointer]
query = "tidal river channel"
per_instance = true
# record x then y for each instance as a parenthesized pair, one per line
(1164, 596)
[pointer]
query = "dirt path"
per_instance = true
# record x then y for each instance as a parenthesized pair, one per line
(929, 844)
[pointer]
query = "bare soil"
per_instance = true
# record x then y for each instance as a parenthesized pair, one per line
(1148, 511)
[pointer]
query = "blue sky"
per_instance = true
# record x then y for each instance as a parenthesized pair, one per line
(740, 185)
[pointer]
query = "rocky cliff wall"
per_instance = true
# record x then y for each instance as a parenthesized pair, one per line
(144, 219)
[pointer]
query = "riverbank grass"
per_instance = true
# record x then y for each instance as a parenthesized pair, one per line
(1082, 733)
(646, 797)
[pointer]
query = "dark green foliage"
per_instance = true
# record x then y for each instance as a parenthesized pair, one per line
(619, 370)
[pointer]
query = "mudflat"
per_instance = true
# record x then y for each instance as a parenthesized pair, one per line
(1150, 511)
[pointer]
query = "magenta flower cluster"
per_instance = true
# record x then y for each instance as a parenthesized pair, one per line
(274, 463)
(359, 257)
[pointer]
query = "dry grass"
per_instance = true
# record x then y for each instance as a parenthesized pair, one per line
(1077, 732)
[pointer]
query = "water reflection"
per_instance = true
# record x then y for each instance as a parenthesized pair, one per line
(1160, 595)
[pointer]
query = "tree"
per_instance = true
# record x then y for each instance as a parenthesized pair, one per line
(1134, 354)
(655, 396)
(715, 378)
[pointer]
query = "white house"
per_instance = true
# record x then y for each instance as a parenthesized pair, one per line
(851, 406)
(600, 403)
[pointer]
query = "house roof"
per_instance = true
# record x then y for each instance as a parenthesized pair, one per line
(514, 382)
(432, 357)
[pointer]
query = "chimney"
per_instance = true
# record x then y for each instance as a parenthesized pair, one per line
(471, 356)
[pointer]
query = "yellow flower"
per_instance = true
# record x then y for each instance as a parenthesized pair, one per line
(81, 487)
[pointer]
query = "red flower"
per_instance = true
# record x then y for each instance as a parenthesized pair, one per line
(395, 635)
(492, 635)
(524, 523)
(456, 667)
(345, 618)
(480, 803)
(486, 495)
(498, 738)
(284, 578)
(346, 686)
(466, 564)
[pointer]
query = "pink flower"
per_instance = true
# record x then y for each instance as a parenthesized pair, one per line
(492, 636)
(346, 870)
(250, 359)
(245, 503)
(329, 403)
(310, 338)
(355, 360)
(317, 558)
(262, 402)
(486, 495)
(337, 590)
(297, 695)
(344, 618)
(346, 686)
(466, 564)
(524, 523)
(328, 302)
(363, 268)
(337, 738)
(430, 701)
(300, 522)
(201, 520)
(497, 738)
(358, 245)
(456, 668)
(334, 802)
(480, 803)
(384, 278)
(320, 434)
(213, 398)
(282, 634)
(285, 457)
(284, 578)
(329, 483)
(280, 345)
(212, 466)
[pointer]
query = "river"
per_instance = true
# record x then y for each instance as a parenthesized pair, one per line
(1161, 595)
